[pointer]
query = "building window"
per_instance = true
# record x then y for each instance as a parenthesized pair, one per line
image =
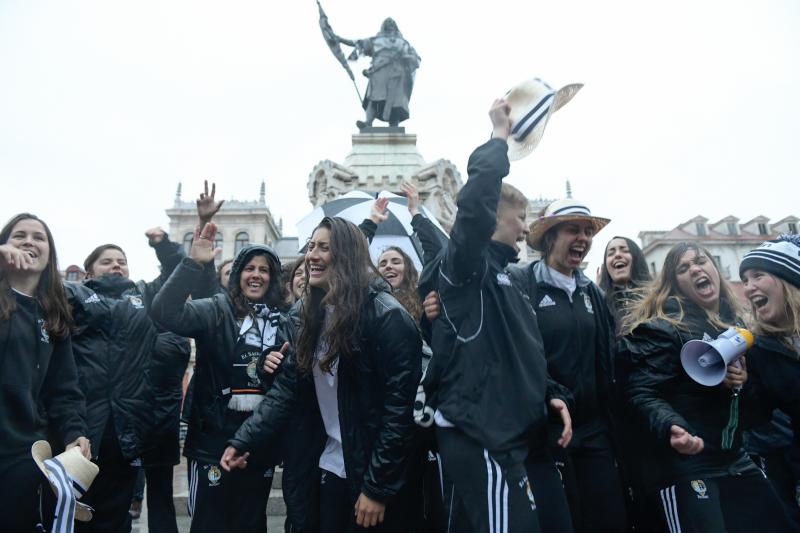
(242, 240)
(793, 228)
(732, 229)
(718, 261)
(762, 228)
(72, 275)
(653, 268)
(701, 229)
(218, 240)
(187, 242)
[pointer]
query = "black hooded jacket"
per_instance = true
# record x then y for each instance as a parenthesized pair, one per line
(113, 343)
(376, 392)
(165, 374)
(488, 371)
(662, 394)
(39, 394)
(213, 324)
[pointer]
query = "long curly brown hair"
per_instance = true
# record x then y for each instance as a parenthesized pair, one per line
(406, 293)
(49, 292)
(350, 272)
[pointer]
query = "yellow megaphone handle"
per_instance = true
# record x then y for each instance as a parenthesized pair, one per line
(748, 336)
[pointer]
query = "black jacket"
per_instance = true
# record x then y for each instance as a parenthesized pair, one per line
(113, 343)
(165, 375)
(376, 392)
(39, 394)
(662, 394)
(488, 369)
(578, 343)
(774, 371)
(213, 324)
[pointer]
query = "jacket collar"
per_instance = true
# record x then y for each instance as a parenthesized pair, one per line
(110, 285)
(542, 275)
(775, 344)
(502, 253)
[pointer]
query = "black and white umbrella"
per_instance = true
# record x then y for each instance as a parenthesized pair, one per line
(355, 206)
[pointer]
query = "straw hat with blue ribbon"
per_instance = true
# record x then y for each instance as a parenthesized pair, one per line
(70, 475)
(532, 102)
(564, 210)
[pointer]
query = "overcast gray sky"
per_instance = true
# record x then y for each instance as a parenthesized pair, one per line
(689, 107)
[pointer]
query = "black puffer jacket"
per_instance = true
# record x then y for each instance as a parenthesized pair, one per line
(213, 323)
(165, 375)
(662, 394)
(376, 392)
(113, 343)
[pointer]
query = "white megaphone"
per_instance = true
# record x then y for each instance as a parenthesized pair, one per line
(706, 362)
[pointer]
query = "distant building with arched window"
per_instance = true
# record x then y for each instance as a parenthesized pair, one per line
(239, 223)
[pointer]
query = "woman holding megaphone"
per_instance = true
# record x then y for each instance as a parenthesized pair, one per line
(771, 277)
(694, 463)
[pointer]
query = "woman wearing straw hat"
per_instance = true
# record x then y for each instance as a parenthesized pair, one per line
(578, 342)
(771, 277)
(39, 393)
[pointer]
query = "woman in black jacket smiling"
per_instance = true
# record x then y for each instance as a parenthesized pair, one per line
(771, 277)
(694, 461)
(351, 388)
(39, 394)
(234, 331)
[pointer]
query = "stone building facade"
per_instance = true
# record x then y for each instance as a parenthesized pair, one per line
(239, 222)
(727, 239)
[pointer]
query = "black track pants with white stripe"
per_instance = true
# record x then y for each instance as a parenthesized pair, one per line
(487, 498)
(228, 502)
(730, 504)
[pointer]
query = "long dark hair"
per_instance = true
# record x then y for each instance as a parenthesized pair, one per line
(350, 272)
(618, 299)
(49, 292)
(406, 293)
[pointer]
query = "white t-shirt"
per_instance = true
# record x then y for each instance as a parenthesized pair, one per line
(327, 385)
(566, 283)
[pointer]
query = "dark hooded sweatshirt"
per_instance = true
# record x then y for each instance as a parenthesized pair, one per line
(213, 323)
(39, 394)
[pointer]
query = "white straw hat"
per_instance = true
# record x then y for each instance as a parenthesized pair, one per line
(532, 102)
(79, 470)
(563, 210)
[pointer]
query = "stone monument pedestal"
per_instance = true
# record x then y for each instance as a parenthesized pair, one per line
(382, 158)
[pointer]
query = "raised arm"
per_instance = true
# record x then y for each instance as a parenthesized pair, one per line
(207, 207)
(169, 254)
(170, 308)
(477, 202)
(377, 215)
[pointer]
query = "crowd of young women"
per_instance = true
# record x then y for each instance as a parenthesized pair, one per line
(543, 401)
